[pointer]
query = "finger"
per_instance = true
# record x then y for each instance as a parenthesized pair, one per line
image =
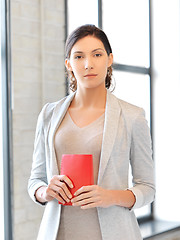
(87, 201)
(61, 188)
(60, 199)
(65, 194)
(65, 189)
(58, 184)
(82, 196)
(82, 202)
(90, 205)
(84, 189)
(66, 180)
(62, 184)
(54, 194)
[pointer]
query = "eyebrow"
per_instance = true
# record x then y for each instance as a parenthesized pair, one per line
(98, 49)
(92, 51)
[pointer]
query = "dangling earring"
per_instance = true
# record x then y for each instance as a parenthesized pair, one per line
(109, 72)
(109, 78)
(71, 76)
(73, 81)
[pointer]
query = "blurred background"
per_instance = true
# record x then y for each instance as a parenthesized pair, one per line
(145, 39)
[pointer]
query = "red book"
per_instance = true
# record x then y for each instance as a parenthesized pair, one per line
(79, 169)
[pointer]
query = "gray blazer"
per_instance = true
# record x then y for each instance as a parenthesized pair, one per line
(126, 139)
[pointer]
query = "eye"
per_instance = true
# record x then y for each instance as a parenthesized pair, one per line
(98, 55)
(78, 57)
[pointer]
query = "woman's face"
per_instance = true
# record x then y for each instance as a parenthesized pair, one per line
(89, 62)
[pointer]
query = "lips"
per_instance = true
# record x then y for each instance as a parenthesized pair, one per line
(90, 75)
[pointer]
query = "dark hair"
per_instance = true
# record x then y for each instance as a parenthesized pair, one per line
(80, 33)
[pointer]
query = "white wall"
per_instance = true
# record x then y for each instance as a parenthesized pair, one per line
(37, 77)
(166, 82)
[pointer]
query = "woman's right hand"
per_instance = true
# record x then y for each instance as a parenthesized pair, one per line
(57, 188)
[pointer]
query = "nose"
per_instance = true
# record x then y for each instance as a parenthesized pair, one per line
(88, 63)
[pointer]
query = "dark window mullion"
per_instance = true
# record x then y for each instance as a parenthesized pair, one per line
(7, 116)
(100, 21)
(132, 69)
(151, 84)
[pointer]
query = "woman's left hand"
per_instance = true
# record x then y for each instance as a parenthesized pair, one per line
(92, 196)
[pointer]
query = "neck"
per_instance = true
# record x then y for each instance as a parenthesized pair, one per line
(90, 98)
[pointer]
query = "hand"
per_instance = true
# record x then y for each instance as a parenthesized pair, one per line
(92, 196)
(57, 188)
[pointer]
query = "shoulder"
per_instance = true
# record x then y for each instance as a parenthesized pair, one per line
(133, 117)
(128, 110)
(49, 108)
(131, 110)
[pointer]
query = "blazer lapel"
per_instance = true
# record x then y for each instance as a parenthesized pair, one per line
(58, 115)
(112, 114)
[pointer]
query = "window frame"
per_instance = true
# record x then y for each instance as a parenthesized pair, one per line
(6, 117)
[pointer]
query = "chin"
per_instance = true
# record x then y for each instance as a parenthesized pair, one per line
(95, 85)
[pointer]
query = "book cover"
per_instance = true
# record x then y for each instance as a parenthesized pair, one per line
(79, 169)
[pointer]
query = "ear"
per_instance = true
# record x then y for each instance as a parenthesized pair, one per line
(110, 60)
(68, 65)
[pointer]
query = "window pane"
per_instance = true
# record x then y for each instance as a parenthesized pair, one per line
(133, 88)
(82, 12)
(126, 22)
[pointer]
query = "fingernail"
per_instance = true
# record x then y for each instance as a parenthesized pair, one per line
(71, 186)
(70, 196)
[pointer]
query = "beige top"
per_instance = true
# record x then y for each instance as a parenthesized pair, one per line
(75, 223)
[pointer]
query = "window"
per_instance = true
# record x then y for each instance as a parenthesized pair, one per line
(127, 25)
(77, 15)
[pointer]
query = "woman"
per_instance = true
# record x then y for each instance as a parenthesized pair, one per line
(92, 121)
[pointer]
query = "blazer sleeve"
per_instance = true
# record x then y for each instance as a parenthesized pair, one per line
(38, 175)
(142, 163)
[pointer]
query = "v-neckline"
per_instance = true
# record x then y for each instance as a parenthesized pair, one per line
(89, 124)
